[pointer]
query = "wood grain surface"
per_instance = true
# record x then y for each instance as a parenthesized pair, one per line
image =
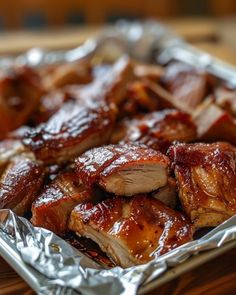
(216, 277)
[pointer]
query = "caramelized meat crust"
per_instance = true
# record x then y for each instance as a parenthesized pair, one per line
(80, 124)
(158, 129)
(131, 231)
(113, 85)
(67, 74)
(20, 183)
(71, 131)
(53, 206)
(214, 123)
(206, 176)
(8, 149)
(109, 88)
(49, 105)
(167, 194)
(189, 86)
(56, 158)
(123, 169)
(145, 95)
(226, 99)
(20, 92)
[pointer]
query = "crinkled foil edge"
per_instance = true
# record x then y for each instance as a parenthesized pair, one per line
(58, 268)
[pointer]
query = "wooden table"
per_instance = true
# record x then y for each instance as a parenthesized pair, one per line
(217, 277)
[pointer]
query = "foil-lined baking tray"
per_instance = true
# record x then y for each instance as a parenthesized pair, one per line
(52, 266)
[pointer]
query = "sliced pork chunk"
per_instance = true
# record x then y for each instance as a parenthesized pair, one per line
(49, 105)
(158, 129)
(20, 183)
(113, 84)
(131, 231)
(148, 96)
(54, 205)
(206, 176)
(119, 131)
(71, 131)
(123, 169)
(20, 92)
(67, 74)
(83, 123)
(214, 123)
(226, 99)
(110, 87)
(167, 194)
(8, 149)
(188, 85)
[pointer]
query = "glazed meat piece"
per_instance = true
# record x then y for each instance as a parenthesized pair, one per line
(119, 131)
(142, 97)
(67, 74)
(131, 231)
(226, 99)
(49, 105)
(20, 92)
(20, 183)
(214, 124)
(55, 203)
(146, 95)
(70, 132)
(111, 87)
(188, 85)
(8, 149)
(158, 129)
(123, 169)
(83, 123)
(206, 177)
(167, 194)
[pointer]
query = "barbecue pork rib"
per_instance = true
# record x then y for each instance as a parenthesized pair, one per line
(131, 230)
(61, 75)
(53, 206)
(110, 87)
(214, 123)
(123, 169)
(20, 93)
(70, 132)
(158, 129)
(188, 85)
(206, 177)
(20, 183)
(167, 194)
(145, 95)
(49, 105)
(226, 99)
(8, 149)
(83, 123)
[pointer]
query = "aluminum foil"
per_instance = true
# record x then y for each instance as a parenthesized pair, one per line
(55, 267)
(146, 41)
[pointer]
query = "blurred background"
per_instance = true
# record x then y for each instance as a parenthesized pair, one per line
(37, 14)
(57, 24)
